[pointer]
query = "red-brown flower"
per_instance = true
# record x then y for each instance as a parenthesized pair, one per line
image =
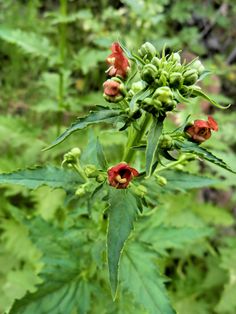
(120, 175)
(119, 64)
(201, 130)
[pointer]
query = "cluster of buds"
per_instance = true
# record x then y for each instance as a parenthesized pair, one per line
(168, 70)
(164, 75)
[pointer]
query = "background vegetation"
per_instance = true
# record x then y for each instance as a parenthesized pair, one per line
(52, 69)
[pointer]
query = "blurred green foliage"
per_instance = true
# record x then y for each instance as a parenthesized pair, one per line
(52, 68)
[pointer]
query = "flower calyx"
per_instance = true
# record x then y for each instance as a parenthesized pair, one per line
(119, 176)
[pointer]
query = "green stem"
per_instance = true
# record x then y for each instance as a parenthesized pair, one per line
(173, 164)
(62, 50)
(135, 137)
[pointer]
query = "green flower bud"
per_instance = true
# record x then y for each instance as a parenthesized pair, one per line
(197, 65)
(176, 57)
(165, 142)
(91, 171)
(76, 152)
(156, 61)
(176, 79)
(190, 76)
(163, 94)
(149, 72)
(161, 180)
(138, 86)
(100, 178)
(81, 191)
(147, 49)
(140, 190)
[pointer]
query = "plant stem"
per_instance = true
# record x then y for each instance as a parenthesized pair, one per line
(135, 137)
(173, 164)
(62, 50)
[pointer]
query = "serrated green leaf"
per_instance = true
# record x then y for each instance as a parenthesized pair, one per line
(190, 147)
(63, 289)
(122, 214)
(29, 42)
(162, 238)
(101, 156)
(183, 180)
(152, 143)
(197, 92)
(102, 116)
(139, 275)
(51, 176)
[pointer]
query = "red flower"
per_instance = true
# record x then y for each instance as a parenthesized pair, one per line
(111, 88)
(119, 63)
(201, 130)
(120, 175)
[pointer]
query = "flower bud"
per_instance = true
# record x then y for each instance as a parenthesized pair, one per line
(176, 79)
(190, 76)
(197, 65)
(81, 191)
(100, 178)
(161, 180)
(163, 94)
(156, 61)
(91, 171)
(138, 86)
(76, 152)
(140, 190)
(165, 142)
(176, 57)
(114, 90)
(149, 72)
(148, 50)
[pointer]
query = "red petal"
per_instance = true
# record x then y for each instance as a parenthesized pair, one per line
(212, 124)
(201, 124)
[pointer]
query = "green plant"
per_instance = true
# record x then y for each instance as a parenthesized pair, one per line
(103, 205)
